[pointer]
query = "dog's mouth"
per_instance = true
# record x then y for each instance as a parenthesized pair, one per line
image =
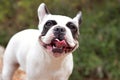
(58, 46)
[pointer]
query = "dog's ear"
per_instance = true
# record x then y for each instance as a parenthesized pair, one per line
(42, 11)
(78, 18)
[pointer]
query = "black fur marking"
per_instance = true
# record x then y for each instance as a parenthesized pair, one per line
(47, 26)
(46, 10)
(80, 21)
(73, 29)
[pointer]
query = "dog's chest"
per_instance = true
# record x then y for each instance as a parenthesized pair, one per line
(56, 71)
(54, 74)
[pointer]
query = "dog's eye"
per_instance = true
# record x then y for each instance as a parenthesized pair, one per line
(71, 26)
(50, 23)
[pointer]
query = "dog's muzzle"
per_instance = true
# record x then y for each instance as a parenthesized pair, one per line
(58, 44)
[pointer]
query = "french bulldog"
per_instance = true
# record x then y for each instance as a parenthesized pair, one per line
(44, 53)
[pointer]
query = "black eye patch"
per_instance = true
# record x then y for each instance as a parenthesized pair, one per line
(47, 26)
(73, 29)
(50, 23)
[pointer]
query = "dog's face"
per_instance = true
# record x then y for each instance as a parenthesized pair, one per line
(58, 34)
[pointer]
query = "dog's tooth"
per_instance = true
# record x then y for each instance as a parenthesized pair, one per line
(57, 39)
(54, 47)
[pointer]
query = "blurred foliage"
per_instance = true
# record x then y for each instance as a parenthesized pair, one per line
(98, 57)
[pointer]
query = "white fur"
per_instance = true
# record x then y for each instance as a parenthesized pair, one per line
(25, 50)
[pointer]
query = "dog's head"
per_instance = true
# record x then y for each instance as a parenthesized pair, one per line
(58, 34)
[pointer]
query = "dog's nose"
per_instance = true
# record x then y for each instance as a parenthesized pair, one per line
(59, 32)
(59, 29)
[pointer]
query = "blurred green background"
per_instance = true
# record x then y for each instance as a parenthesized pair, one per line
(98, 56)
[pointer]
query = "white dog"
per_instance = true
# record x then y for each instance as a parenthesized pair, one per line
(44, 54)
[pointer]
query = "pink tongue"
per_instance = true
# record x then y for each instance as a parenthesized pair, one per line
(60, 43)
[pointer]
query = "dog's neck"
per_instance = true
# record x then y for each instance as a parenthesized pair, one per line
(56, 63)
(53, 59)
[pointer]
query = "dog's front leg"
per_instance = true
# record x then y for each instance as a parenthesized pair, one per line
(31, 74)
(8, 71)
(62, 77)
(33, 68)
(9, 64)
